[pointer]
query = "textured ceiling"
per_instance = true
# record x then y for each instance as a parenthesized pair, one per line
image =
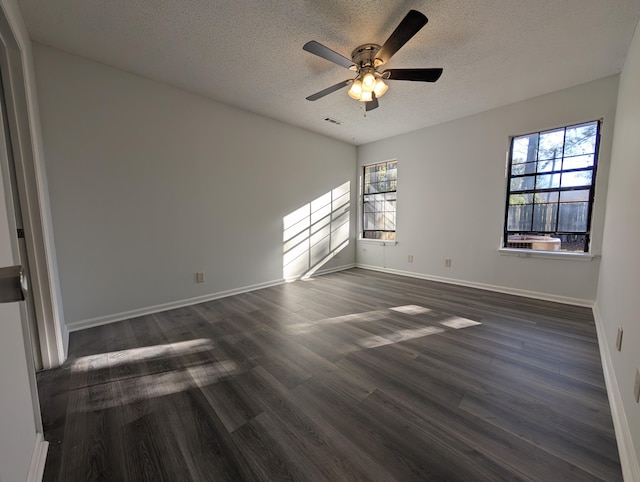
(248, 53)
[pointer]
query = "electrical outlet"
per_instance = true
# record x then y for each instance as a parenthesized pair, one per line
(636, 387)
(447, 263)
(619, 339)
(200, 278)
(410, 258)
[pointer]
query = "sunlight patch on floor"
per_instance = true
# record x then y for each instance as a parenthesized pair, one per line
(306, 327)
(398, 336)
(457, 323)
(137, 389)
(411, 309)
(140, 354)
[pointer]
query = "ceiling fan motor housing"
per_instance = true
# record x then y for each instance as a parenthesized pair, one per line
(364, 56)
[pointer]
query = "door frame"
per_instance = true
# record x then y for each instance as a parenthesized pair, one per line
(16, 65)
(18, 243)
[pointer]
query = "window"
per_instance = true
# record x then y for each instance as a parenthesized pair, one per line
(551, 187)
(379, 200)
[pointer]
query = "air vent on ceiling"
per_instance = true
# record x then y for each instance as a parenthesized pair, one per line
(333, 121)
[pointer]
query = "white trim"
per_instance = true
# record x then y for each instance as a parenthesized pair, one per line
(531, 253)
(628, 456)
(125, 315)
(484, 286)
(38, 459)
(334, 270)
(381, 242)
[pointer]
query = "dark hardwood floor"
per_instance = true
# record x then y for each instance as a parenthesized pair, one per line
(350, 376)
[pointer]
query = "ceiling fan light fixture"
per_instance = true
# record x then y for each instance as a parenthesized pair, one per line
(362, 89)
(380, 88)
(356, 89)
(368, 82)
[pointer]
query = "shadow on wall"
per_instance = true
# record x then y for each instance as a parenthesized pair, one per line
(315, 233)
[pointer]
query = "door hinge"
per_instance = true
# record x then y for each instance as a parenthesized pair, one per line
(20, 233)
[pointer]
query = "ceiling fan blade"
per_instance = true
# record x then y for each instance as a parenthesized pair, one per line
(326, 53)
(372, 104)
(409, 26)
(329, 90)
(418, 75)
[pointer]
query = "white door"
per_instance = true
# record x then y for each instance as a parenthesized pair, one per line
(22, 448)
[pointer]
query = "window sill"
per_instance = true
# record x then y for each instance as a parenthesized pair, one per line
(381, 242)
(530, 253)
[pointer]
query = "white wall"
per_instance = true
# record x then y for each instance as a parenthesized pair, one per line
(150, 184)
(618, 303)
(451, 196)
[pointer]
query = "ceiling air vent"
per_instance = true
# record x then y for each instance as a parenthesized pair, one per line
(331, 120)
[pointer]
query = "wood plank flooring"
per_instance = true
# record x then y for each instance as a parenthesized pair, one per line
(349, 376)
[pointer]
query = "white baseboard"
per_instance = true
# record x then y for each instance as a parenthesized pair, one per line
(334, 270)
(38, 459)
(125, 315)
(103, 320)
(626, 450)
(484, 286)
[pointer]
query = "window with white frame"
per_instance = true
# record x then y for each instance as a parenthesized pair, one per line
(379, 183)
(550, 189)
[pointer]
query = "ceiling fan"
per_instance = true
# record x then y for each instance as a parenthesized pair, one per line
(369, 85)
